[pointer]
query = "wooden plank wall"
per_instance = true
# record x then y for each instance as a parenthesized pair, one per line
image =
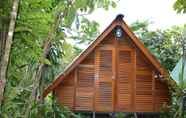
(144, 96)
(125, 72)
(115, 77)
(65, 91)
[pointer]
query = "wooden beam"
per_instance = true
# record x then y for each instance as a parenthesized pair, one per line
(75, 87)
(96, 76)
(86, 65)
(153, 90)
(116, 72)
(134, 81)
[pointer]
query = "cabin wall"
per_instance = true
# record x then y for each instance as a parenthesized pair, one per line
(125, 75)
(144, 84)
(105, 71)
(65, 91)
(115, 77)
(85, 85)
(162, 96)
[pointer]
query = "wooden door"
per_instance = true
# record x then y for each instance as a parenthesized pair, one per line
(105, 76)
(125, 74)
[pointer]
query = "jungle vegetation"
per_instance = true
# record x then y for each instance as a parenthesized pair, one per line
(35, 45)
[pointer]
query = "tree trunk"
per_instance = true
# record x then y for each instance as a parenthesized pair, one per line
(37, 77)
(7, 48)
(46, 47)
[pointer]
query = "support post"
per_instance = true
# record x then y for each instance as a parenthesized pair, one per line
(135, 115)
(93, 114)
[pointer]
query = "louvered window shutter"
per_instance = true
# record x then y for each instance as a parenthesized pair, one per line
(105, 80)
(85, 89)
(125, 71)
(65, 92)
(144, 95)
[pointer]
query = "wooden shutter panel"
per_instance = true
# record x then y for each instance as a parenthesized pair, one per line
(125, 66)
(65, 91)
(161, 94)
(104, 82)
(105, 96)
(85, 89)
(144, 96)
(105, 64)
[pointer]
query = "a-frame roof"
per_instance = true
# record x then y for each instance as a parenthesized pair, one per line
(118, 21)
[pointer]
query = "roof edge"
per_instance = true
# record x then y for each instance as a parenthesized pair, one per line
(77, 60)
(117, 21)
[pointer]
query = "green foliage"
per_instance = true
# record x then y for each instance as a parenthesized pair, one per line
(175, 109)
(5, 9)
(124, 115)
(34, 23)
(164, 44)
(120, 115)
(180, 6)
(86, 30)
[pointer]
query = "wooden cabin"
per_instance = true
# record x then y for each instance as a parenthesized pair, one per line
(116, 73)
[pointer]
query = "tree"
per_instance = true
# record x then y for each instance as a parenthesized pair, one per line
(164, 44)
(7, 48)
(65, 16)
(180, 6)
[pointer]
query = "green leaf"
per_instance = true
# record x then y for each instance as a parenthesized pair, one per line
(70, 17)
(80, 4)
(114, 5)
(46, 61)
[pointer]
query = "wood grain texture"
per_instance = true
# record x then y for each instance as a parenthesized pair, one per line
(114, 76)
(107, 35)
(65, 92)
(105, 82)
